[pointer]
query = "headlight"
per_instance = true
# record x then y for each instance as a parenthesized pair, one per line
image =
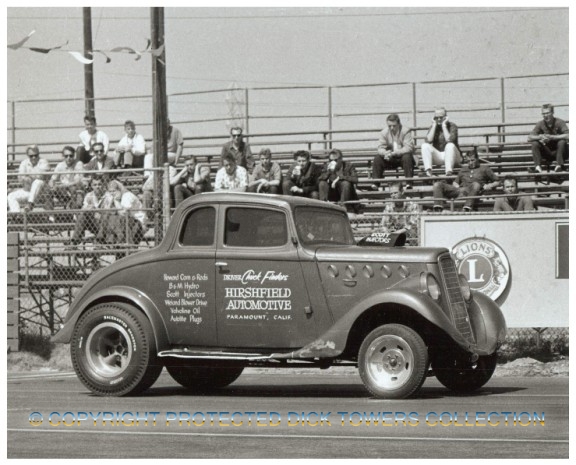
(465, 288)
(429, 285)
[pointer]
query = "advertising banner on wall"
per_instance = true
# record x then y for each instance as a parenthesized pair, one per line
(519, 260)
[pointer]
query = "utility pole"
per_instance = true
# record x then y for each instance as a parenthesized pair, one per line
(160, 111)
(159, 101)
(88, 69)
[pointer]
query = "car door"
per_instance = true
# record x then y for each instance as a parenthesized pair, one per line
(262, 301)
(186, 280)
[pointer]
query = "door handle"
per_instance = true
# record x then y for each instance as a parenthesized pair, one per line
(221, 264)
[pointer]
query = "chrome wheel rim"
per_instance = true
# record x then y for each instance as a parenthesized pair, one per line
(108, 349)
(389, 362)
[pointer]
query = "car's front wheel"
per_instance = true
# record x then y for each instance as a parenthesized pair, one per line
(393, 361)
(202, 378)
(113, 350)
(460, 376)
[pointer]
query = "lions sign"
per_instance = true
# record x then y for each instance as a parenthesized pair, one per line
(484, 264)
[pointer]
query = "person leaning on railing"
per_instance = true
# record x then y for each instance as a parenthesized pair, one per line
(514, 202)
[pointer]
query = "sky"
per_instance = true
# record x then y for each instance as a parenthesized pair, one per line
(216, 48)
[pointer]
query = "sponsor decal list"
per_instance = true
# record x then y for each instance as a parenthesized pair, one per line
(186, 297)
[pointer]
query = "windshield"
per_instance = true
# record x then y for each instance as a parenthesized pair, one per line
(323, 226)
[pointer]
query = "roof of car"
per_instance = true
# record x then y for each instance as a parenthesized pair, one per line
(262, 199)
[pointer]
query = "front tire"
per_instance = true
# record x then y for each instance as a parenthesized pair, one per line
(393, 361)
(464, 377)
(113, 350)
(203, 378)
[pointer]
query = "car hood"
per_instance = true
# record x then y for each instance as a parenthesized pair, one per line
(379, 254)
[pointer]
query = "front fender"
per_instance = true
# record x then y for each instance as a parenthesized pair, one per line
(333, 342)
(125, 293)
(488, 323)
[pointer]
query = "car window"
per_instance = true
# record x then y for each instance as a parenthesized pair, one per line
(198, 227)
(323, 226)
(252, 227)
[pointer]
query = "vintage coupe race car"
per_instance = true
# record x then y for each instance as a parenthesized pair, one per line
(259, 280)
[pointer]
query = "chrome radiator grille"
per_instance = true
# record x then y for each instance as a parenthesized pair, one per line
(457, 306)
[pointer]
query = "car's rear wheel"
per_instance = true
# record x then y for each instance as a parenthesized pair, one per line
(460, 376)
(113, 350)
(202, 378)
(393, 361)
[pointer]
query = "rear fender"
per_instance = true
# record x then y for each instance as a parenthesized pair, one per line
(123, 293)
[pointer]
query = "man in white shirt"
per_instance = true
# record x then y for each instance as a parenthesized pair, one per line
(89, 137)
(66, 183)
(231, 177)
(130, 150)
(33, 173)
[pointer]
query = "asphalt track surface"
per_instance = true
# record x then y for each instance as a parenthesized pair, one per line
(287, 414)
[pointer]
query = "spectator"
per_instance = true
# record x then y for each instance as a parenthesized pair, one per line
(130, 150)
(66, 184)
(32, 173)
(175, 144)
(240, 149)
(267, 175)
(194, 178)
(99, 162)
(337, 181)
(94, 215)
(400, 215)
(302, 176)
(441, 146)
(130, 216)
(89, 137)
(395, 148)
(549, 140)
(513, 203)
(472, 180)
(231, 177)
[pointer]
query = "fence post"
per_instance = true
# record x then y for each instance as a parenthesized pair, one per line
(414, 119)
(246, 112)
(330, 122)
(165, 200)
(13, 130)
(502, 100)
(13, 291)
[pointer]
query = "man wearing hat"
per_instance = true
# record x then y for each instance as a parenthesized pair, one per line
(32, 173)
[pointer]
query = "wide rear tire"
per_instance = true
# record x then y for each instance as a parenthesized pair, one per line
(113, 350)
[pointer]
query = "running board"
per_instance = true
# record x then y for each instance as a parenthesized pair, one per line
(214, 355)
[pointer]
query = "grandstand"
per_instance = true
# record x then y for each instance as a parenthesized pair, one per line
(50, 269)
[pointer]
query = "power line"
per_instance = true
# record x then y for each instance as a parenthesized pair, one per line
(315, 15)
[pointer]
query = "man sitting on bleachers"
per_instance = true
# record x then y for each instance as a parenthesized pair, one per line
(441, 146)
(337, 181)
(128, 223)
(33, 173)
(472, 180)
(395, 149)
(549, 140)
(66, 184)
(400, 215)
(193, 178)
(93, 217)
(89, 137)
(231, 177)
(267, 175)
(302, 177)
(513, 203)
(99, 162)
